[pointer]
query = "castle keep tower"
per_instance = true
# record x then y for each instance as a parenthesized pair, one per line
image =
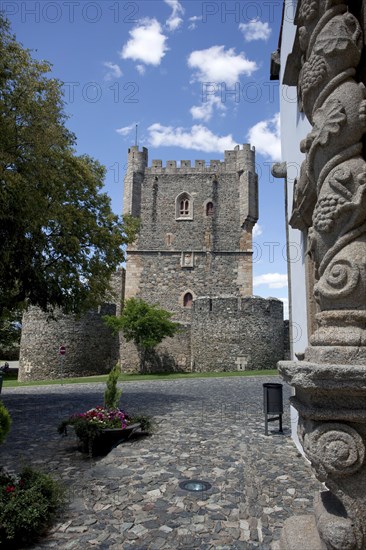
(193, 257)
(196, 228)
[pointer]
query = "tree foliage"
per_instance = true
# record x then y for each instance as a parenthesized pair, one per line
(10, 332)
(144, 324)
(60, 241)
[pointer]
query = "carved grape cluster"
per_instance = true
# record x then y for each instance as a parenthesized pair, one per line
(313, 72)
(326, 211)
(308, 10)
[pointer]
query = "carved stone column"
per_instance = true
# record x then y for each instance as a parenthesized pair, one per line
(330, 204)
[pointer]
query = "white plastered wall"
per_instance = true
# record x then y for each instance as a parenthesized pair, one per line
(294, 127)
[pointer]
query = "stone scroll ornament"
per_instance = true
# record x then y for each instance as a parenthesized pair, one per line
(337, 453)
(330, 194)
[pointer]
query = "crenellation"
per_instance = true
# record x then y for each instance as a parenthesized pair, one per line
(187, 168)
(171, 166)
(235, 158)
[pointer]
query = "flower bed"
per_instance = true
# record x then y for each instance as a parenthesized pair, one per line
(100, 428)
(104, 418)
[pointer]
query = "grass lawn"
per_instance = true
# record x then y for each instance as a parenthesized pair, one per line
(11, 382)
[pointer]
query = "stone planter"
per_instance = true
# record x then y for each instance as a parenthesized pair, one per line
(108, 439)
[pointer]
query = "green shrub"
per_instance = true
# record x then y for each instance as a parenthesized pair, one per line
(146, 422)
(112, 394)
(5, 422)
(28, 503)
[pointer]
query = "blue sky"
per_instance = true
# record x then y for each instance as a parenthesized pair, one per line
(194, 77)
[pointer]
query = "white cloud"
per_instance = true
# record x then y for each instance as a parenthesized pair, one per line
(206, 109)
(217, 65)
(141, 69)
(193, 21)
(255, 30)
(126, 129)
(273, 280)
(174, 21)
(198, 138)
(147, 43)
(265, 136)
(257, 230)
(114, 70)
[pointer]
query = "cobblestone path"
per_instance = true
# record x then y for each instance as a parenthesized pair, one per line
(209, 429)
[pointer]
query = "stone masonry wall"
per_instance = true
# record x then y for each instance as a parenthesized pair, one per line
(163, 281)
(231, 333)
(91, 348)
(172, 355)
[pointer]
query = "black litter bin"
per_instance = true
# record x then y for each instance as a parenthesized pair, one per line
(272, 404)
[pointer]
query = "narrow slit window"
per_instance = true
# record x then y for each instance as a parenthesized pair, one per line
(209, 209)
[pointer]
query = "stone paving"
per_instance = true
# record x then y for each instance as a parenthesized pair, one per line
(209, 429)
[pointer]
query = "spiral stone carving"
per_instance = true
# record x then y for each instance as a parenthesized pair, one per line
(335, 449)
(339, 279)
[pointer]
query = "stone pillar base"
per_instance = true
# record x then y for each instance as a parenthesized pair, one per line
(300, 533)
(331, 402)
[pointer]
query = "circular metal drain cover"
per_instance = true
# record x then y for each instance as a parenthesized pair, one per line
(195, 485)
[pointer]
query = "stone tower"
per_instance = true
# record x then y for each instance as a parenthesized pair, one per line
(196, 228)
(193, 257)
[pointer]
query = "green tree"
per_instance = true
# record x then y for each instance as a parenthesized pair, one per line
(144, 324)
(10, 332)
(60, 241)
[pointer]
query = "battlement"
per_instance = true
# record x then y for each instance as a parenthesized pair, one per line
(234, 160)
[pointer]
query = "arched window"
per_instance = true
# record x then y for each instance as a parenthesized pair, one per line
(209, 209)
(184, 207)
(187, 299)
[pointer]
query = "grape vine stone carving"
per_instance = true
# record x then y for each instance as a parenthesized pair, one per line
(313, 73)
(308, 11)
(326, 211)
